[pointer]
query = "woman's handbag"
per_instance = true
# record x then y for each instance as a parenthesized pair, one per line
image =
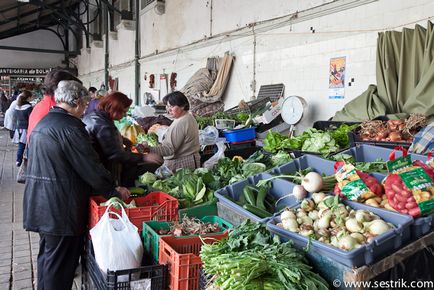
(21, 175)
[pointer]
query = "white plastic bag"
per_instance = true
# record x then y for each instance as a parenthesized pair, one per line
(116, 243)
(208, 136)
(221, 147)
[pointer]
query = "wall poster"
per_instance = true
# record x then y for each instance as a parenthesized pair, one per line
(337, 78)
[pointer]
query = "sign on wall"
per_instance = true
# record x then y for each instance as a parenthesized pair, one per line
(24, 71)
(337, 78)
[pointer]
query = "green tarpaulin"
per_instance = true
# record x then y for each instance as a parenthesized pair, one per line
(405, 78)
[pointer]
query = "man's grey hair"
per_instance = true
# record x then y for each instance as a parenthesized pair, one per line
(70, 92)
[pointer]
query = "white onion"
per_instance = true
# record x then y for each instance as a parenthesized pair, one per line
(312, 182)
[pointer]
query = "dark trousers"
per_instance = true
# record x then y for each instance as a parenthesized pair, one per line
(20, 152)
(11, 133)
(57, 260)
(131, 172)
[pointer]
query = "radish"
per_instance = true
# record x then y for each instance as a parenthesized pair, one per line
(298, 192)
(312, 181)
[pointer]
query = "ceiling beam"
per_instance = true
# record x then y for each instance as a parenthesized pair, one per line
(41, 50)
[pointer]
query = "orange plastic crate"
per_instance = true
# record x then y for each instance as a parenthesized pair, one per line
(182, 258)
(156, 206)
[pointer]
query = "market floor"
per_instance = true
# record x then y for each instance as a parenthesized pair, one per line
(18, 248)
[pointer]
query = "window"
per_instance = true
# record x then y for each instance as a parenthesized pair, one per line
(145, 3)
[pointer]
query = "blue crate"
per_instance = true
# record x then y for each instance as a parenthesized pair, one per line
(280, 187)
(318, 164)
(240, 135)
(370, 153)
(365, 255)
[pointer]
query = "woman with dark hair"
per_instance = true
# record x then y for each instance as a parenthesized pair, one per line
(96, 96)
(22, 113)
(180, 146)
(124, 165)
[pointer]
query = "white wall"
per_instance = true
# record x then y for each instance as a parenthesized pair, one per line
(287, 51)
(42, 39)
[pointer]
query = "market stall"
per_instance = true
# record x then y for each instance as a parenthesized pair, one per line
(294, 188)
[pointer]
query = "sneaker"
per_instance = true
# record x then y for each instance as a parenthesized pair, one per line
(18, 164)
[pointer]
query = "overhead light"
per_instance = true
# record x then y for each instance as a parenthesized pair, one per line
(26, 1)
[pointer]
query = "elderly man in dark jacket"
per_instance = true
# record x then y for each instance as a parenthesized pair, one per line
(63, 170)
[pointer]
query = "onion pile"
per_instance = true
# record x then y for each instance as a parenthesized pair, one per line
(392, 130)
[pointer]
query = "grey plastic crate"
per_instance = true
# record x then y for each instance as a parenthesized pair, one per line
(279, 188)
(370, 153)
(367, 254)
(320, 165)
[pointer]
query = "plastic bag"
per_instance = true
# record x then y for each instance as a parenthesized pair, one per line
(208, 136)
(221, 147)
(163, 172)
(116, 243)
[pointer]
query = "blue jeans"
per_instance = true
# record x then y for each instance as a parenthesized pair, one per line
(20, 152)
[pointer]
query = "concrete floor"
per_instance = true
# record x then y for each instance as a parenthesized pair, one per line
(18, 248)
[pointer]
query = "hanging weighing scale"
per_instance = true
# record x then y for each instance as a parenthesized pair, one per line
(292, 111)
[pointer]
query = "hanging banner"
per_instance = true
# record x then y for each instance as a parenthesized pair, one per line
(337, 78)
(24, 71)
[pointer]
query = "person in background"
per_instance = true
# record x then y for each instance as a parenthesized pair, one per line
(10, 120)
(180, 147)
(62, 172)
(124, 165)
(4, 102)
(50, 84)
(96, 96)
(22, 113)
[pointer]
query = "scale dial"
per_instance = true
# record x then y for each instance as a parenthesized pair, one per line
(292, 109)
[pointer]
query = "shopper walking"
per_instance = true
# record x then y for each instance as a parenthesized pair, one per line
(62, 172)
(10, 120)
(22, 113)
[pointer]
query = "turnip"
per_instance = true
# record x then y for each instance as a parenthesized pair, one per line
(311, 182)
(298, 192)
(377, 227)
(287, 214)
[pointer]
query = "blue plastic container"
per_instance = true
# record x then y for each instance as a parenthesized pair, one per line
(367, 254)
(240, 135)
(280, 187)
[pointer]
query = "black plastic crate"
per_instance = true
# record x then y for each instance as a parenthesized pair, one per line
(204, 280)
(325, 126)
(235, 150)
(355, 140)
(110, 281)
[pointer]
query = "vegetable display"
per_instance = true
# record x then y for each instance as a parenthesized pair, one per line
(251, 259)
(309, 179)
(256, 200)
(325, 219)
(311, 140)
(392, 130)
(190, 226)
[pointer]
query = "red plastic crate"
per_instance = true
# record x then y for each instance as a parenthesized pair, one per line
(156, 206)
(182, 258)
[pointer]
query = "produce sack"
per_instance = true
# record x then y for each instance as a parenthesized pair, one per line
(354, 184)
(409, 186)
(116, 243)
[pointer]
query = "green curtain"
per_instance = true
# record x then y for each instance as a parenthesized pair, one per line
(405, 78)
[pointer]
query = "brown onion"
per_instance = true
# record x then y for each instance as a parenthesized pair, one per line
(394, 136)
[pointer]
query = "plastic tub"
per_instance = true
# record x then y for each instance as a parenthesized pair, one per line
(367, 254)
(151, 238)
(370, 153)
(280, 187)
(240, 134)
